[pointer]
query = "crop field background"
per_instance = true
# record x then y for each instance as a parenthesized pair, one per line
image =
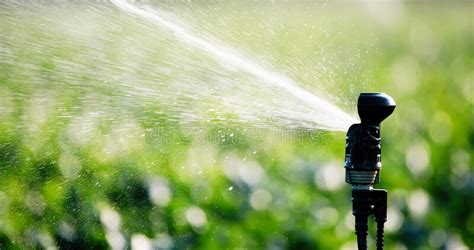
(103, 145)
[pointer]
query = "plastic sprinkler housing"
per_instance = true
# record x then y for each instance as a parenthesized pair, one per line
(363, 151)
(363, 163)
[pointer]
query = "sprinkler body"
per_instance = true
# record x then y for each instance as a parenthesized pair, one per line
(363, 164)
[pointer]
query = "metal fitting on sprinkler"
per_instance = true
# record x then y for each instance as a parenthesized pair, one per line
(363, 163)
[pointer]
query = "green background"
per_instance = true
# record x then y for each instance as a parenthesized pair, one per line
(86, 163)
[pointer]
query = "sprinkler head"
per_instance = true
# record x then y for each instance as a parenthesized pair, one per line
(373, 108)
(363, 151)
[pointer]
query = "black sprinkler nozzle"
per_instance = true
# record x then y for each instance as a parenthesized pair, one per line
(373, 108)
(363, 163)
(363, 151)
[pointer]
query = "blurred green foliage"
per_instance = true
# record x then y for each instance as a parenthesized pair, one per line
(83, 165)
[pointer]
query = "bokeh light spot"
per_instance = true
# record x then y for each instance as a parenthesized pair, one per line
(417, 158)
(260, 199)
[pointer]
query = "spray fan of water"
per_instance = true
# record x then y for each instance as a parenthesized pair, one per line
(114, 64)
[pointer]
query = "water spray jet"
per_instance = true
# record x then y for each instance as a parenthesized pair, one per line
(363, 164)
(316, 113)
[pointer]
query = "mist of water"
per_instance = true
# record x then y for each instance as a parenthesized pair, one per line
(83, 65)
(313, 112)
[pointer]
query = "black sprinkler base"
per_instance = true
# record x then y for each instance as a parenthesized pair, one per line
(364, 204)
